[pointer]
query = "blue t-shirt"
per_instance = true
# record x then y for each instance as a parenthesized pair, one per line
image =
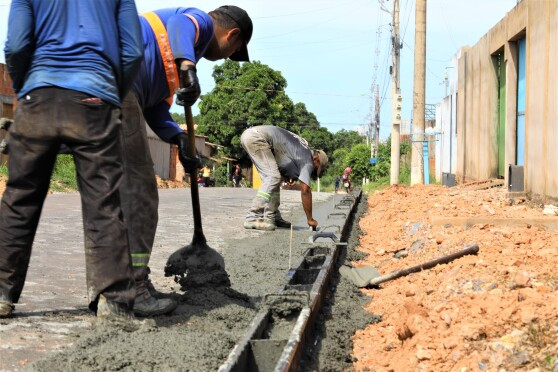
(151, 83)
(86, 45)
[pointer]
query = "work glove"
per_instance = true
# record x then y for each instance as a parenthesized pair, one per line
(189, 90)
(190, 164)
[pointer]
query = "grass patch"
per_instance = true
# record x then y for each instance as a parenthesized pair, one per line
(63, 177)
(4, 171)
(64, 174)
(383, 183)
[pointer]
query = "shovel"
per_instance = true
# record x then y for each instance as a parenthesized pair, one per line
(197, 264)
(369, 276)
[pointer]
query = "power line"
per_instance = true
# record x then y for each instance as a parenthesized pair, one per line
(299, 13)
(337, 17)
(218, 86)
(447, 26)
(427, 68)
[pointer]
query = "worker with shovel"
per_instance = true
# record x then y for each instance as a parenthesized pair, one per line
(69, 74)
(279, 154)
(174, 40)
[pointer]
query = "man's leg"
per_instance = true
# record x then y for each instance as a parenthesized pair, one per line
(262, 212)
(91, 131)
(32, 155)
(140, 200)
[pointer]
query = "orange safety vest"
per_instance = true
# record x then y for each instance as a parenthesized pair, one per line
(166, 53)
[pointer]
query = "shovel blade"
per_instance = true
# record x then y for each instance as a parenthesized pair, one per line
(197, 265)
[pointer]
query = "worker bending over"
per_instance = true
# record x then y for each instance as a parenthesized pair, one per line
(279, 154)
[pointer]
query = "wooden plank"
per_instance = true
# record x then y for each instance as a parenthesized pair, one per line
(550, 223)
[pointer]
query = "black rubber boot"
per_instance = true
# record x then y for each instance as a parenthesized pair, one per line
(147, 305)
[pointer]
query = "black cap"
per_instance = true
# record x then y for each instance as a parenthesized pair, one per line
(243, 21)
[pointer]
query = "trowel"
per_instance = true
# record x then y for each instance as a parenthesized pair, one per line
(196, 264)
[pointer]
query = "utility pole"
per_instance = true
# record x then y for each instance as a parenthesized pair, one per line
(395, 97)
(419, 88)
(377, 121)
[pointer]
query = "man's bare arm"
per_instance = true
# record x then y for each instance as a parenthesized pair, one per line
(306, 196)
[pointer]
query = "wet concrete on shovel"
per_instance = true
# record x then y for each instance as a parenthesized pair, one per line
(198, 335)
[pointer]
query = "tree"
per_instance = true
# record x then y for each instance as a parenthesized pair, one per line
(337, 162)
(178, 118)
(304, 119)
(244, 96)
(347, 139)
(358, 159)
(319, 139)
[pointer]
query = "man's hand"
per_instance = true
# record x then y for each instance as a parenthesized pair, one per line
(190, 164)
(189, 90)
(313, 224)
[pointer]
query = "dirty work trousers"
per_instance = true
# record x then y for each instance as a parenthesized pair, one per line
(46, 118)
(266, 203)
(140, 198)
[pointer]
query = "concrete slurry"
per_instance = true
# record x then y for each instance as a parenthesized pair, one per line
(52, 314)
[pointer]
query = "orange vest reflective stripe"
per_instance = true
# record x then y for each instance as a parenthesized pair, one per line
(166, 53)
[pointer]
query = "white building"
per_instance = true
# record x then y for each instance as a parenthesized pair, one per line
(446, 123)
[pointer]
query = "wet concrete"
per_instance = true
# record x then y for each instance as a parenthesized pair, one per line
(342, 314)
(200, 332)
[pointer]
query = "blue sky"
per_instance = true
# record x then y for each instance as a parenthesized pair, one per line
(326, 49)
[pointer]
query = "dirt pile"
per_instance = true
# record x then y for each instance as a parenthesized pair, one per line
(342, 314)
(495, 310)
(169, 184)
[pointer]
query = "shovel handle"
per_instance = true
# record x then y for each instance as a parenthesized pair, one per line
(198, 230)
(469, 249)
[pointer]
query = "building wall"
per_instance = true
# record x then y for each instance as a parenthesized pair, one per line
(477, 100)
(6, 93)
(446, 115)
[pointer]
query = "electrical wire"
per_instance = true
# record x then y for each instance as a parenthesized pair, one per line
(447, 26)
(218, 86)
(304, 12)
(336, 18)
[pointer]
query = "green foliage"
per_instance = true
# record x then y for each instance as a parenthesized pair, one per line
(4, 171)
(64, 174)
(304, 119)
(379, 184)
(338, 162)
(245, 95)
(319, 138)
(347, 139)
(221, 175)
(404, 147)
(179, 118)
(405, 175)
(358, 159)
(63, 178)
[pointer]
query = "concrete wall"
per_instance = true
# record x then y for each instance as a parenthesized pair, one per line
(477, 116)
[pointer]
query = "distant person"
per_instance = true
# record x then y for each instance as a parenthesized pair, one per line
(206, 175)
(346, 178)
(71, 62)
(279, 154)
(337, 183)
(237, 175)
